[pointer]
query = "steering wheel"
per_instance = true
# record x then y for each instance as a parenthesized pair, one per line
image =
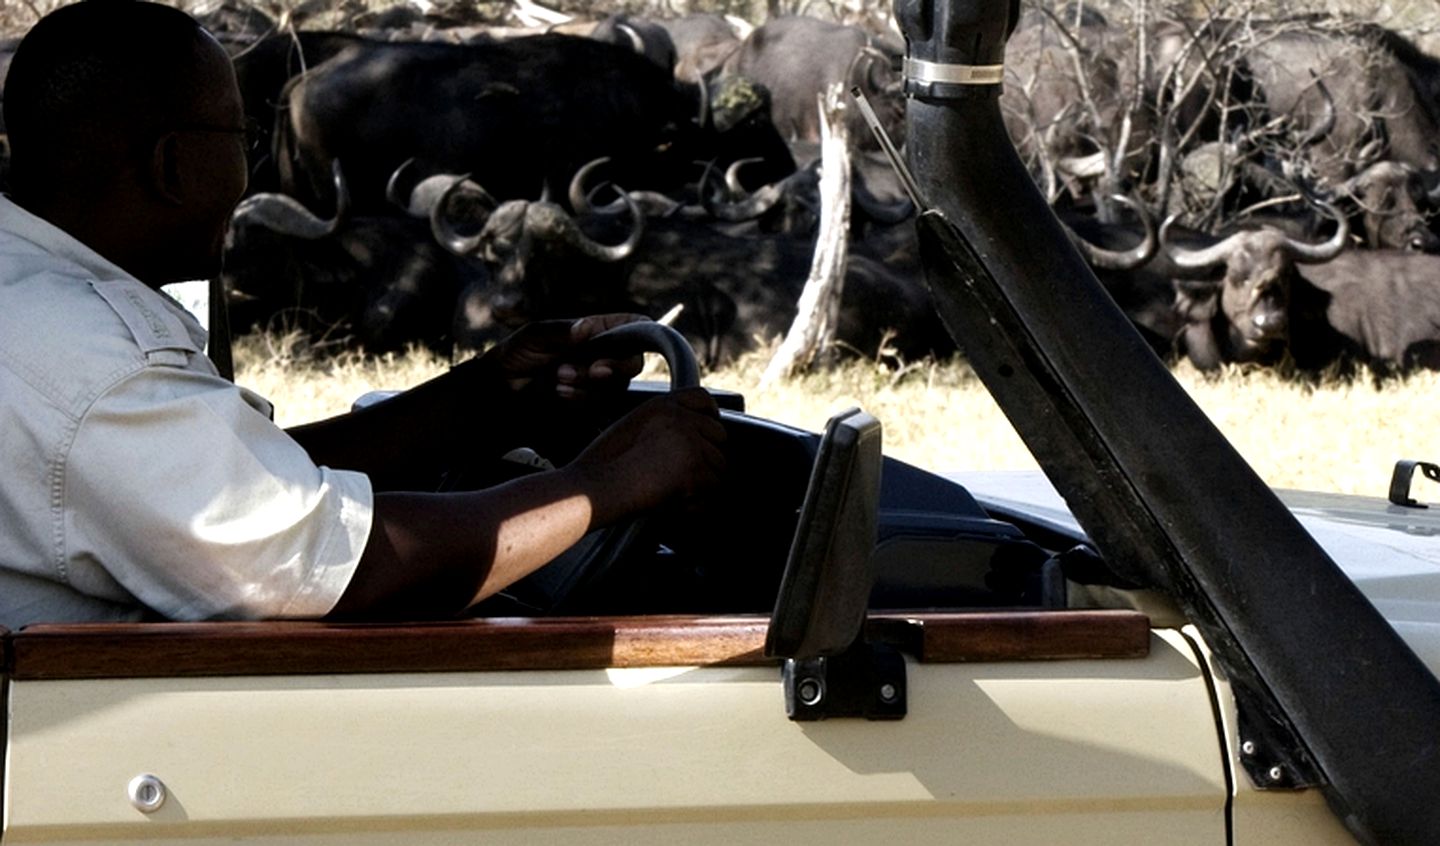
(550, 589)
(647, 336)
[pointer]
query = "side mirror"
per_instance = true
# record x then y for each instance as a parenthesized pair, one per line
(819, 616)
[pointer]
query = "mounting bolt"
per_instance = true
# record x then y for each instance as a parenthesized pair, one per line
(888, 694)
(1247, 748)
(810, 691)
(1276, 773)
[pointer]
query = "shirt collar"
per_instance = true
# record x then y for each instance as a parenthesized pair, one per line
(56, 241)
(45, 235)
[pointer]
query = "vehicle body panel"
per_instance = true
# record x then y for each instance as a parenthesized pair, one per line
(1259, 815)
(1390, 551)
(1101, 751)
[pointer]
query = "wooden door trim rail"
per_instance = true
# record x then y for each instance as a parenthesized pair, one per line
(158, 650)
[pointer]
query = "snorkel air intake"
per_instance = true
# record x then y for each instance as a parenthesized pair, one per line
(1329, 695)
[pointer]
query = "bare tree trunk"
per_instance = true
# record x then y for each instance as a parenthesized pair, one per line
(813, 332)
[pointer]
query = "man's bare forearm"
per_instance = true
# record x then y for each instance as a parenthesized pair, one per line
(433, 555)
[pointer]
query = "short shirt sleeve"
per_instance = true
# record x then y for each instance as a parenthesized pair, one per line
(200, 507)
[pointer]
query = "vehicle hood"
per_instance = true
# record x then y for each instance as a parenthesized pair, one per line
(1392, 553)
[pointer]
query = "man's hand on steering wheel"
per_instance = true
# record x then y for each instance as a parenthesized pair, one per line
(552, 352)
(667, 451)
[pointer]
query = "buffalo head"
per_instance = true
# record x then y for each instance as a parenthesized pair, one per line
(1394, 202)
(792, 204)
(382, 279)
(542, 264)
(1248, 309)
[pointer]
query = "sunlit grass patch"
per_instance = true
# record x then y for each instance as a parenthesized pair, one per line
(307, 385)
(1335, 434)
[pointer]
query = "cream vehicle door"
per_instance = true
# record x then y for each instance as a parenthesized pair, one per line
(1020, 727)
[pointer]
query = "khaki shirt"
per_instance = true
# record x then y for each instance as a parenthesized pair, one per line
(134, 480)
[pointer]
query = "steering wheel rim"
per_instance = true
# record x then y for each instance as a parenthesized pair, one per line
(549, 589)
(648, 336)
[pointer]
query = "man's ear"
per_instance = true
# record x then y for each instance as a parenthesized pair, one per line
(164, 173)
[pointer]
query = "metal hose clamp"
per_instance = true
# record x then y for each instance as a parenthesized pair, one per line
(925, 73)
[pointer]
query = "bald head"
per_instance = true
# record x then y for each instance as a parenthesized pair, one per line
(127, 131)
(91, 85)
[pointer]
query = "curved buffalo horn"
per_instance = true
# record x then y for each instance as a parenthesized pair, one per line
(1082, 167)
(1104, 259)
(650, 203)
(860, 56)
(866, 56)
(636, 42)
(422, 197)
(342, 193)
(878, 59)
(569, 230)
(426, 196)
(286, 215)
(579, 197)
(1217, 253)
(444, 230)
(762, 200)
(656, 204)
(392, 186)
(1317, 253)
(732, 174)
(1372, 151)
(1327, 120)
(1298, 251)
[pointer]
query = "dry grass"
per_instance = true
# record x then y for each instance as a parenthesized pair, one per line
(305, 386)
(1338, 436)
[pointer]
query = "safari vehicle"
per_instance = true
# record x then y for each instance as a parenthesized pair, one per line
(1149, 647)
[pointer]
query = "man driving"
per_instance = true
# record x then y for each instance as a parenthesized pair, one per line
(138, 483)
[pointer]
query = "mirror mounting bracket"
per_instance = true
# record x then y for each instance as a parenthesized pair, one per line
(1270, 753)
(1402, 477)
(866, 680)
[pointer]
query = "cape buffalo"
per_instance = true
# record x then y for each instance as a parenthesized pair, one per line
(518, 114)
(798, 58)
(1385, 89)
(1244, 315)
(1377, 307)
(735, 290)
(379, 281)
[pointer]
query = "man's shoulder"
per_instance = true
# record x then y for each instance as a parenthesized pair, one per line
(68, 336)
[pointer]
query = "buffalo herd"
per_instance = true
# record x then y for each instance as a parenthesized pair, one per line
(422, 179)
